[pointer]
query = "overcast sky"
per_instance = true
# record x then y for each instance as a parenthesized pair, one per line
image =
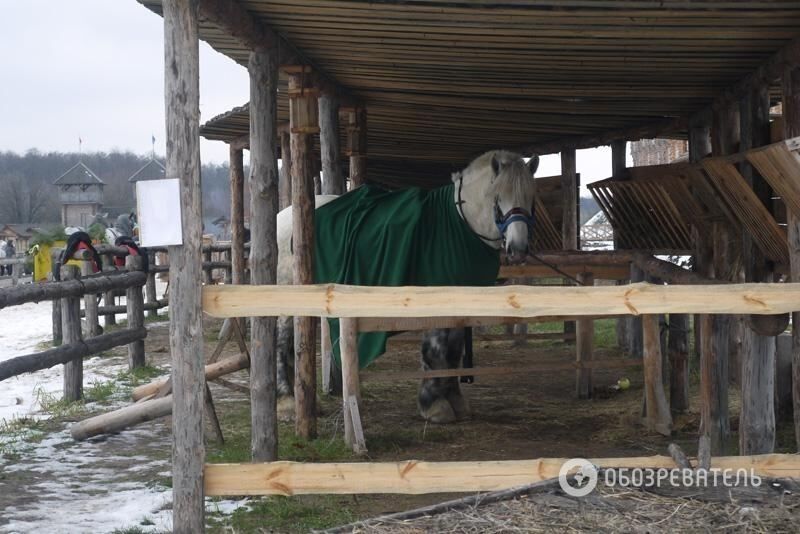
(94, 69)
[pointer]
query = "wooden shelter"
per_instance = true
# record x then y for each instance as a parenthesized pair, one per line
(403, 92)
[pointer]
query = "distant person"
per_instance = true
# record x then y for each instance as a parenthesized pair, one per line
(11, 253)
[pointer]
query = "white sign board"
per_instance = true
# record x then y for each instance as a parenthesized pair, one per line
(159, 208)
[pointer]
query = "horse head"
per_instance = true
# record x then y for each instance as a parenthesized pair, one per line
(496, 194)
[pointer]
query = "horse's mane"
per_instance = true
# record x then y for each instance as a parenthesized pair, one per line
(514, 176)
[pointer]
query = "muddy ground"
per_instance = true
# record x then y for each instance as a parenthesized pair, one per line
(518, 416)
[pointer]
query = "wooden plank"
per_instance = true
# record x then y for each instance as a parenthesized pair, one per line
(417, 477)
(539, 367)
(334, 300)
(123, 418)
(359, 443)
(781, 168)
(753, 215)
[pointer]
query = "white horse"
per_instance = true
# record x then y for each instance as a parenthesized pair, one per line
(495, 197)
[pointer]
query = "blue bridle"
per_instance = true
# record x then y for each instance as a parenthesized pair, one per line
(503, 221)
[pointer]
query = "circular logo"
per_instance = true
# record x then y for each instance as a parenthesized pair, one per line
(577, 477)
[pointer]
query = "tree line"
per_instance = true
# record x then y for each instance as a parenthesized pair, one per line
(27, 193)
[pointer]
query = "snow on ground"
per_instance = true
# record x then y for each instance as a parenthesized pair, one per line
(58, 485)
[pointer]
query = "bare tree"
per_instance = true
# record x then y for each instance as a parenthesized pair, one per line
(25, 201)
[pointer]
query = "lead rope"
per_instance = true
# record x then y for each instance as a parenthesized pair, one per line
(556, 269)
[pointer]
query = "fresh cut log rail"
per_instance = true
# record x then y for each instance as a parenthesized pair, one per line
(334, 300)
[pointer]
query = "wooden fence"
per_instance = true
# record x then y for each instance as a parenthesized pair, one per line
(77, 342)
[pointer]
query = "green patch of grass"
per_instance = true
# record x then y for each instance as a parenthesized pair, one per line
(140, 375)
(285, 514)
(100, 392)
(58, 408)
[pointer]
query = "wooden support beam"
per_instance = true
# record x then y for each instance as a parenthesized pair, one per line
(92, 327)
(584, 348)
(570, 201)
(332, 300)
(351, 387)
(182, 97)
(357, 145)
(285, 183)
(150, 288)
(678, 346)
(326, 354)
(791, 125)
(757, 374)
(657, 414)
(303, 113)
(71, 334)
(516, 370)
(108, 297)
(263, 69)
(237, 215)
(211, 372)
(134, 301)
(415, 477)
(333, 182)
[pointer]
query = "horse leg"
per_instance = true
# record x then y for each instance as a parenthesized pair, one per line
(285, 370)
(440, 399)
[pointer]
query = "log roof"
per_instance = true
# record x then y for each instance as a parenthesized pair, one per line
(444, 80)
(79, 174)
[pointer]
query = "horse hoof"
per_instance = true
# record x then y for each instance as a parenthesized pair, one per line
(285, 408)
(440, 412)
(460, 406)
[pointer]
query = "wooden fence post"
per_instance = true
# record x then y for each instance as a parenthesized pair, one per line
(90, 305)
(71, 333)
(135, 310)
(303, 123)
(569, 207)
(108, 298)
(207, 270)
(333, 182)
(584, 347)
(326, 354)
(285, 185)
(150, 286)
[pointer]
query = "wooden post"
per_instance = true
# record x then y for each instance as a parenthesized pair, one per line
(207, 270)
(150, 286)
(618, 166)
(678, 344)
(791, 128)
(108, 297)
(90, 305)
(303, 123)
(724, 135)
(569, 218)
(757, 376)
(357, 146)
(326, 354)
(285, 186)
(237, 215)
(699, 148)
(135, 309)
(657, 415)
(71, 333)
(333, 182)
(348, 344)
(584, 346)
(182, 99)
(635, 346)
(263, 68)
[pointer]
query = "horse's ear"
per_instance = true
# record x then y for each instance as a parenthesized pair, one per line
(495, 165)
(456, 176)
(533, 164)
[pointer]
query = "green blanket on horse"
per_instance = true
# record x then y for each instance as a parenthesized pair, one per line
(375, 237)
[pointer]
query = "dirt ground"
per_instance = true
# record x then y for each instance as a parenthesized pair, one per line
(519, 416)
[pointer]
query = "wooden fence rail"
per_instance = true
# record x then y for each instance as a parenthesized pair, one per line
(507, 301)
